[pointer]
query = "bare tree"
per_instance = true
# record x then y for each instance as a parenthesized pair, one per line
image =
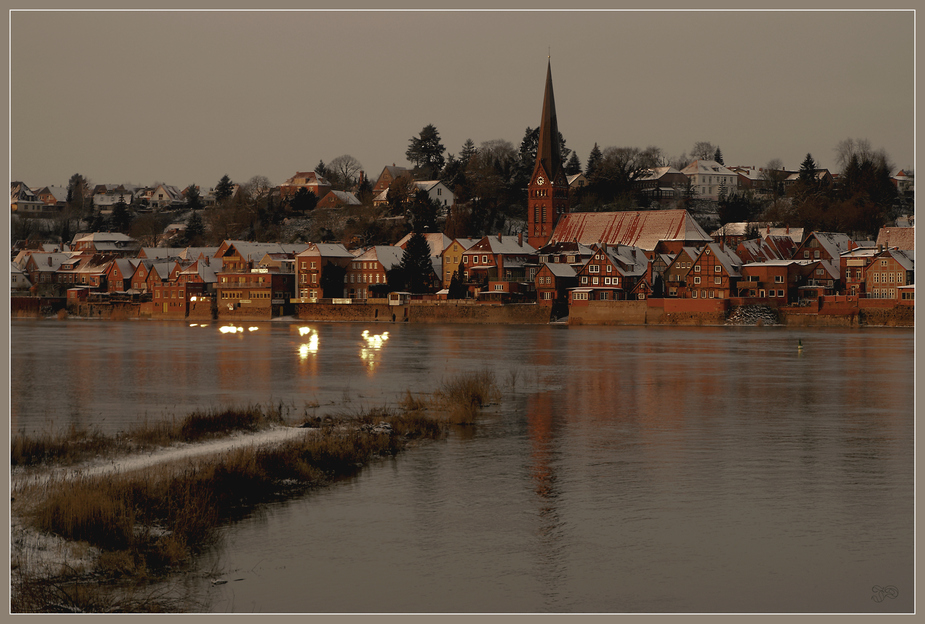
(773, 176)
(703, 150)
(344, 171)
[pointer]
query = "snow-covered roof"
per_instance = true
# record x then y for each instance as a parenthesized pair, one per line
(326, 250)
(560, 269)
(437, 241)
(898, 237)
(640, 228)
(387, 255)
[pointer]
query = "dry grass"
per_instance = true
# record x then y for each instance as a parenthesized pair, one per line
(149, 522)
(77, 445)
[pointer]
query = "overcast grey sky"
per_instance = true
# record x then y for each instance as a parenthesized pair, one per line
(185, 97)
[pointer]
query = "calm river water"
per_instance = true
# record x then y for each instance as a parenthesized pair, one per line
(626, 470)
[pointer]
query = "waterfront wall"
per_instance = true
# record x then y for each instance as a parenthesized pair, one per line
(830, 312)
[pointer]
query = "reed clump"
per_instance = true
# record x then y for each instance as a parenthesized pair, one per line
(466, 394)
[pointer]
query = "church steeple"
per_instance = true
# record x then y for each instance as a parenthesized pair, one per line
(547, 151)
(547, 198)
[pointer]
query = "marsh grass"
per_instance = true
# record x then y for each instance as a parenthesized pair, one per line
(151, 521)
(462, 397)
(75, 445)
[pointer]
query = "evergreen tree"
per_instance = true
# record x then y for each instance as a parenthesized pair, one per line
(573, 166)
(304, 200)
(195, 230)
(426, 153)
(423, 212)
(416, 263)
(223, 189)
(468, 151)
(808, 170)
(594, 161)
(321, 169)
(120, 218)
(193, 201)
(718, 156)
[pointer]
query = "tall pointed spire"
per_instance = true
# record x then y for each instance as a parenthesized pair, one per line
(547, 151)
(547, 193)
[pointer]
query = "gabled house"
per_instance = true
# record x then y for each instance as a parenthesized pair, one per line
(439, 193)
(118, 278)
(370, 268)
(495, 267)
(888, 271)
(451, 258)
(553, 282)
(675, 276)
(714, 273)
(613, 272)
(389, 174)
(166, 196)
(334, 199)
(23, 199)
(53, 196)
(826, 247)
(320, 270)
(309, 180)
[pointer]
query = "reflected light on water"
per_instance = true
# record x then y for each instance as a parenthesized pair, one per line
(230, 329)
(251, 329)
(373, 345)
(310, 348)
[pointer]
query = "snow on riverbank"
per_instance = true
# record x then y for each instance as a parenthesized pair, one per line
(33, 552)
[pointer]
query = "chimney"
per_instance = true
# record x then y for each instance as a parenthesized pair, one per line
(499, 237)
(520, 239)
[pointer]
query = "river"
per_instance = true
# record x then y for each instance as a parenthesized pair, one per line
(625, 470)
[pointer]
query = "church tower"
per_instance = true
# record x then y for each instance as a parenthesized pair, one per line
(547, 198)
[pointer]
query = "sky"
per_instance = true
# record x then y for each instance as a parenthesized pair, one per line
(185, 97)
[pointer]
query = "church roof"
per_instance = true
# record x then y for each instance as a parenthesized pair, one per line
(640, 228)
(547, 151)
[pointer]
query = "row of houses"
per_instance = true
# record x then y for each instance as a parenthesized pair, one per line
(592, 257)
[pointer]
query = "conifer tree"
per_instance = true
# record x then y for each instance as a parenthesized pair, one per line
(416, 264)
(594, 161)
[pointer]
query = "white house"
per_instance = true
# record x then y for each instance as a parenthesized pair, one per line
(708, 177)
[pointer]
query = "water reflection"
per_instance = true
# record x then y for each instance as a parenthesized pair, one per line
(369, 352)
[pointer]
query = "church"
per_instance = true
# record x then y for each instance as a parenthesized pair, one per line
(550, 221)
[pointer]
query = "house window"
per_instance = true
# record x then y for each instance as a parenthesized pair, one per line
(484, 259)
(609, 268)
(717, 269)
(697, 280)
(697, 269)
(593, 268)
(816, 254)
(594, 281)
(717, 280)
(780, 293)
(694, 294)
(779, 279)
(584, 279)
(499, 286)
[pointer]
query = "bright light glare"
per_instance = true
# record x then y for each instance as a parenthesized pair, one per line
(251, 329)
(192, 324)
(310, 348)
(305, 330)
(230, 329)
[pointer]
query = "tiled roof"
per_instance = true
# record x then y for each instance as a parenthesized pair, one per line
(640, 228)
(898, 237)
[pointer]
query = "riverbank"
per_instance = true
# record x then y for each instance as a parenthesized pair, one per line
(839, 312)
(88, 535)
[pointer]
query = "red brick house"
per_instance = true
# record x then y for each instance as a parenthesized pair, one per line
(309, 180)
(887, 272)
(311, 264)
(370, 268)
(496, 267)
(613, 272)
(714, 273)
(553, 282)
(773, 282)
(675, 275)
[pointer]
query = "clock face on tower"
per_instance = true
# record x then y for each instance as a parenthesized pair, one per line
(540, 180)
